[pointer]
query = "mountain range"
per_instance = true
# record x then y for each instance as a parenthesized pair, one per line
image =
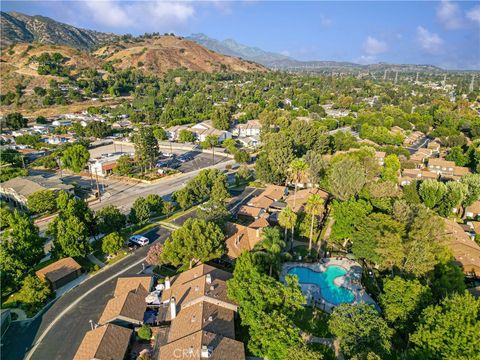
(21, 28)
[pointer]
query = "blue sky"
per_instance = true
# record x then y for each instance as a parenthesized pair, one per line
(444, 33)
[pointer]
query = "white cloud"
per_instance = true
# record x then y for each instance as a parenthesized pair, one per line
(285, 52)
(157, 15)
(373, 46)
(325, 21)
(429, 41)
(474, 14)
(449, 15)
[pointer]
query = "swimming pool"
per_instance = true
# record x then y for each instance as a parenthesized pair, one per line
(332, 293)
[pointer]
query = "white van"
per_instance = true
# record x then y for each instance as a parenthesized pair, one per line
(139, 240)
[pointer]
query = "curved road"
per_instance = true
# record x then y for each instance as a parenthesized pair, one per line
(60, 336)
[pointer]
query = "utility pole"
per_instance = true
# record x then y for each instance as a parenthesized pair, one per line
(98, 187)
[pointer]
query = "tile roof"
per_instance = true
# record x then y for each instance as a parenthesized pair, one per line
(58, 269)
(465, 251)
(191, 286)
(129, 306)
(243, 238)
(302, 196)
(108, 342)
(441, 163)
(129, 283)
(27, 185)
(189, 347)
(252, 211)
(474, 208)
(203, 316)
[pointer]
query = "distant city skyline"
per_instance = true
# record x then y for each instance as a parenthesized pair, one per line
(445, 33)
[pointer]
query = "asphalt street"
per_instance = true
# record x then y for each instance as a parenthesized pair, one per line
(64, 337)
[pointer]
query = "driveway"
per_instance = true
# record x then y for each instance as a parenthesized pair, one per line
(65, 335)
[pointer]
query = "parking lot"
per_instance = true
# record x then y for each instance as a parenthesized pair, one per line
(191, 160)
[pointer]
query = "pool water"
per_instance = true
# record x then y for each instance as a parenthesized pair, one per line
(324, 280)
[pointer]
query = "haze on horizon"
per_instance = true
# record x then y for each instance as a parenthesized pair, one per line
(441, 33)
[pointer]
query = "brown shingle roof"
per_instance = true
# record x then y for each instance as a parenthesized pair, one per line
(243, 238)
(58, 270)
(108, 342)
(474, 208)
(441, 163)
(221, 347)
(302, 196)
(246, 210)
(129, 283)
(202, 316)
(465, 251)
(129, 306)
(190, 287)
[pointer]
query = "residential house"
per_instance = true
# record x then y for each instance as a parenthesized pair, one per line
(128, 305)
(243, 238)
(447, 169)
(267, 201)
(62, 122)
(60, 272)
(465, 250)
(250, 128)
(419, 157)
(18, 189)
(380, 157)
(104, 165)
(434, 146)
(298, 201)
(473, 211)
(107, 342)
(250, 141)
(409, 175)
(413, 138)
(201, 316)
(173, 132)
(205, 128)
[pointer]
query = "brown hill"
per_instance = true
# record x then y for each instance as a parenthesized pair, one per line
(160, 54)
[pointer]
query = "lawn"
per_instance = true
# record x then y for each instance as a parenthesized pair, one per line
(313, 321)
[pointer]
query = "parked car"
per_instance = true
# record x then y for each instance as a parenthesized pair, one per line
(139, 240)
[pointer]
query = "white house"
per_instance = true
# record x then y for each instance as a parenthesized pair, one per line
(62, 122)
(205, 128)
(250, 128)
(103, 165)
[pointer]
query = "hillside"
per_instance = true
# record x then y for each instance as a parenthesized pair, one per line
(233, 48)
(160, 54)
(20, 28)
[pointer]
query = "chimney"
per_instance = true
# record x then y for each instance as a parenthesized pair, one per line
(206, 352)
(167, 282)
(258, 233)
(173, 308)
(209, 279)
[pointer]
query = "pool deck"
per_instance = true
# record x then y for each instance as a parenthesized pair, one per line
(351, 281)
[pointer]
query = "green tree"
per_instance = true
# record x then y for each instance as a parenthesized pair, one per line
(402, 302)
(410, 193)
(155, 204)
(391, 168)
(219, 190)
(287, 219)
(186, 136)
(454, 196)
(298, 171)
(447, 279)
(98, 129)
(196, 241)
(348, 215)
(20, 249)
(140, 211)
(34, 292)
(314, 207)
(273, 245)
(160, 134)
(432, 192)
(360, 330)
(145, 332)
(15, 121)
(346, 178)
(124, 166)
(71, 237)
(221, 118)
(146, 148)
(241, 156)
(112, 243)
(42, 201)
(449, 330)
(473, 183)
(110, 219)
(75, 157)
(457, 155)
(214, 211)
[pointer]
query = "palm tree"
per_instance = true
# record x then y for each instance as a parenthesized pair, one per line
(273, 245)
(313, 207)
(287, 219)
(297, 170)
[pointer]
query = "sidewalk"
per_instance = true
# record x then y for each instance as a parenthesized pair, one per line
(94, 260)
